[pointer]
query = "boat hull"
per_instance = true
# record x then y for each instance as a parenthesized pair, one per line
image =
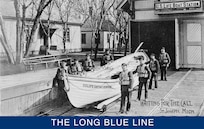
(97, 85)
(84, 91)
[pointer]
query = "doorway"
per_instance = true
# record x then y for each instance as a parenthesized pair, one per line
(155, 35)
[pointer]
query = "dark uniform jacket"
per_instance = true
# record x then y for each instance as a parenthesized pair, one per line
(59, 77)
(61, 73)
(88, 65)
(75, 69)
(72, 69)
(106, 58)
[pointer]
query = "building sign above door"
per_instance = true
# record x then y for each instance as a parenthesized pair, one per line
(175, 6)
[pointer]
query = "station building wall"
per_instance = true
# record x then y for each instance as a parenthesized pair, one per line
(181, 33)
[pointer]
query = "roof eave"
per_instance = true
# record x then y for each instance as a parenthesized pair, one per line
(52, 21)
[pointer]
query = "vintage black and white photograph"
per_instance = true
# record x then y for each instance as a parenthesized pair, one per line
(101, 58)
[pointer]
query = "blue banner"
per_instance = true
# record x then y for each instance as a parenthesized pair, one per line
(101, 122)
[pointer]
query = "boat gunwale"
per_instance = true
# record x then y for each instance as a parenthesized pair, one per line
(99, 80)
(92, 79)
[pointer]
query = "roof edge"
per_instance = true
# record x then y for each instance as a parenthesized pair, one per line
(43, 20)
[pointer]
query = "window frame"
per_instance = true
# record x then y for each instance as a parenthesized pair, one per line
(83, 38)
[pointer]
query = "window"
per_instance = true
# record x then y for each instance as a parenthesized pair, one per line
(194, 55)
(108, 38)
(83, 38)
(117, 37)
(194, 32)
(66, 35)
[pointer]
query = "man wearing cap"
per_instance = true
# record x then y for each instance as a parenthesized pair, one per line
(144, 74)
(154, 67)
(60, 79)
(88, 64)
(126, 81)
(72, 68)
(78, 66)
(164, 60)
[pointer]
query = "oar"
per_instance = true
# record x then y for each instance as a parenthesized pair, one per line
(139, 47)
(102, 69)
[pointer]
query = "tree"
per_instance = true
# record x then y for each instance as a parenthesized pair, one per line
(65, 8)
(42, 5)
(88, 10)
(46, 29)
(120, 20)
(99, 14)
(103, 14)
(123, 31)
(18, 30)
(20, 26)
(5, 42)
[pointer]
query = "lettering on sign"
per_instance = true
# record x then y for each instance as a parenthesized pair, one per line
(178, 7)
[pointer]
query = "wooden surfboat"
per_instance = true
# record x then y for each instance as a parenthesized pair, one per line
(97, 85)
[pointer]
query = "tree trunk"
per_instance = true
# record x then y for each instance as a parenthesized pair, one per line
(114, 35)
(92, 42)
(48, 27)
(22, 36)
(18, 31)
(4, 42)
(97, 41)
(40, 9)
(120, 38)
(120, 42)
(31, 37)
(64, 36)
(126, 44)
(48, 35)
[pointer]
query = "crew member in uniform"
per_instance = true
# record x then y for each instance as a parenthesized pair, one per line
(72, 68)
(78, 66)
(88, 64)
(126, 81)
(164, 60)
(59, 80)
(75, 68)
(106, 58)
(154, 67)
(144, 74)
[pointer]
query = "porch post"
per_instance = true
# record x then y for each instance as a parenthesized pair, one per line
(177, 42)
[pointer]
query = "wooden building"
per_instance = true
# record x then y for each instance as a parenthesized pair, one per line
(73, 35)
(107, 34)
(177, 25)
